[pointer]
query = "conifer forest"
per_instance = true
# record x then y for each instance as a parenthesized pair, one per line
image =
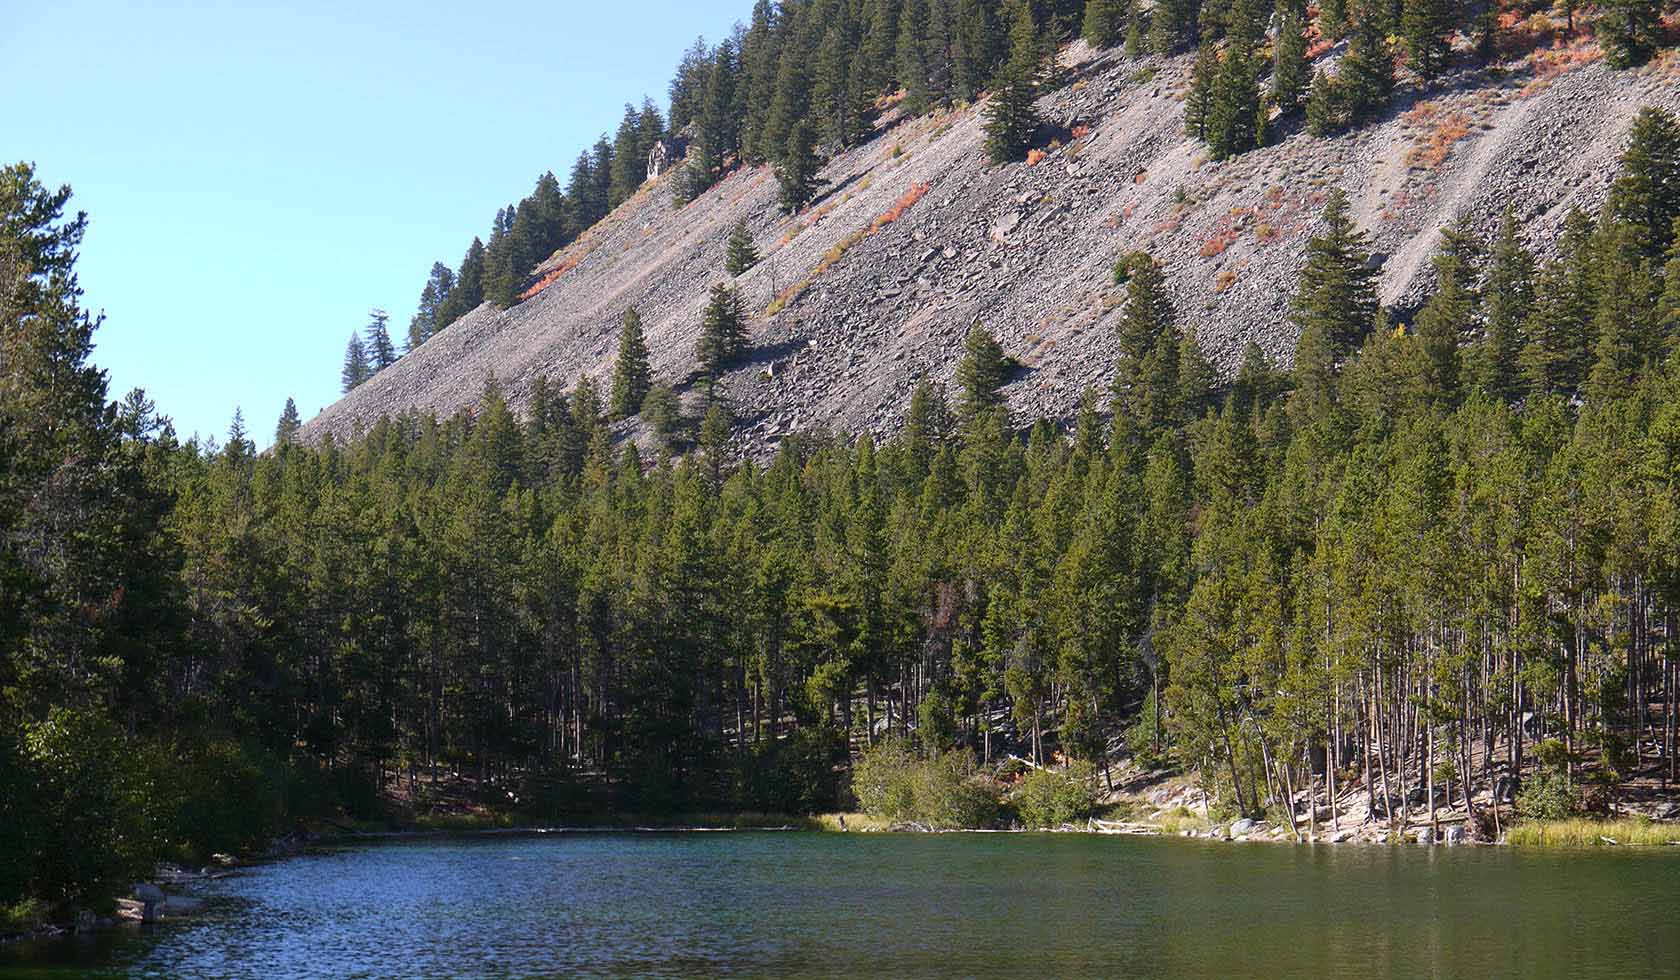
(1439, 549)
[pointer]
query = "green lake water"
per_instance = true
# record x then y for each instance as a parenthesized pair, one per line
(964, 905)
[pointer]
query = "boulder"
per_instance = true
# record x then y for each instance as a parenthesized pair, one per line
(1243, 827)
(1666, 811)
(1456, 835)
(145, 891)
(1426, 836)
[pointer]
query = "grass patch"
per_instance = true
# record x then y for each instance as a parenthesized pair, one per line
(1579, 832)
(854, 822)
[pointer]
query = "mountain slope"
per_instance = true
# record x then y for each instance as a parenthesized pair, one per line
(1028, 250)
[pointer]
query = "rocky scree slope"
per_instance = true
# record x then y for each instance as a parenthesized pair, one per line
(848, 309)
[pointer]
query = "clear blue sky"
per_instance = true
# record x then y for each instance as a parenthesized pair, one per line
(257, 179)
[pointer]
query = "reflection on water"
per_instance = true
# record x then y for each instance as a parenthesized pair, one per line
(769, 904)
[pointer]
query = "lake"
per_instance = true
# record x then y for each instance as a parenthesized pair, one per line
(976, 905)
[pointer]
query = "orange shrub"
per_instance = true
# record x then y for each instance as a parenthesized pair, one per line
(1035, 157)
(1434, 149)
(1081, 131)
(903, 204)
(1217, 245)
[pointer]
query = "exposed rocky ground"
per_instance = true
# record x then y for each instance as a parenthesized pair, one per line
(1029, 249)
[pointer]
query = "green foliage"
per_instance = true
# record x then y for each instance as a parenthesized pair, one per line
(1428, 27)
(632, 378)
(796, 173)
(982, 372)
(1011, 119)
(1630, 31)
(723, 335)
(1291, 73)
(942, 792)
(1548, 794)
(356, 369)
(740, 255)
(1103, 22)
(794, 775)
(1048, 798)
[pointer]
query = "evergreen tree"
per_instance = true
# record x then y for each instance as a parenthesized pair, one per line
(1337, 295)
(630, 155)
(1325, 112)
(1629, 30)
(982, 373)
(723, 336)
(468, 290)
(796, 173)
(1436, 365)
(1291, 73)
(1509, 295)
(758, 71)
(1365, 77)
(426, 320)
(977, 48)
(631, 375)
(381, 353)
(1134, 29)
(1236, 118)
(1010, 117)
(1102, 23)
(880, 45)
(720, 128)
(1428, 28)
(1198, 101)
(356, 368)
(1557, 351)
(289, 424)
(912, 58)
(1172, 25)
(1147, 316)
(1626, 328)
(1645, 195)
(740, 255)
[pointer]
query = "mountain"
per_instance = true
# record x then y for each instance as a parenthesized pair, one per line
(915, 236)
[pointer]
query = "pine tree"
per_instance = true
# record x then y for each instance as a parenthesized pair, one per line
(977, 48)
(880, 41)
(1102, 23)
(631, 375)
(1365, 77)
(1630, 31)
(1646, 193)
(1557, 351)
(1436, 364)
(720, 127)
(722, 336)
(740, 255)
(1236, 118)
(1625, 325)
(1325, 113)
(425, 322)
(1010, 117)
(1291, 72)
(912, 57)
(380, 352)
(629, 158)
(1134, 29)
(1172, 25)
(831, 96)
(758, 70)
(286, 429)
(982, 372)
(468, 290)
(1509, 293)
(1427, 26)
(1337, 295)
(796, 173)
(1198, 102)
(355, 364)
